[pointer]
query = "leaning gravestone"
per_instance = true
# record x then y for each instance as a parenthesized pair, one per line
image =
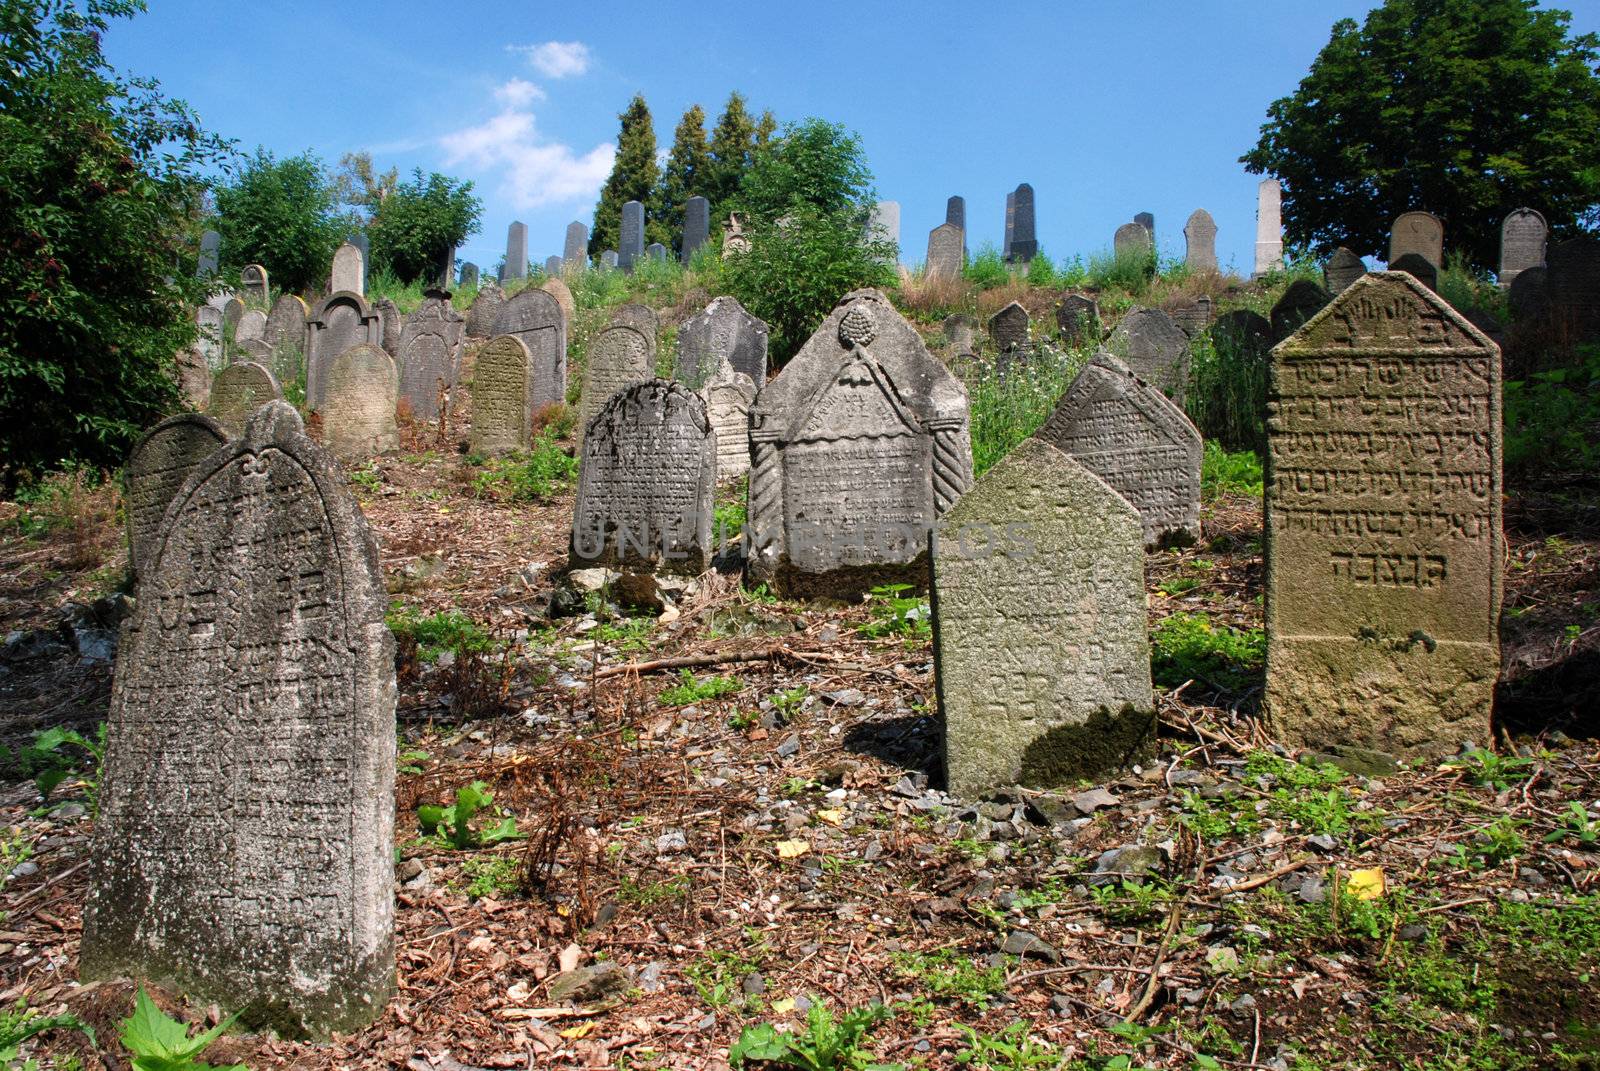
(1041, 655)
(1342, 269)
(349, 272)
(559, 290)
(1200, 241)
(1418, 267)
(535, 317)
(1301, 300)
(430, 355)
(253, 278)
(244, 846)
(363, 388)
(855, 450)
(722, 331)
(1009, 328)
(1135, 439)
(1383, 539)
(646, 476)
(728, 395)
(1078, 318)
(483, 311)
(1132, 241)
(1150, 343)
(945, 245)
(502, 397)
(237, 392)
(618, 357)
(1523, 235)
(342, 320)
(1573, 285)
(1417, 232)
(630, 244)
(156, 469)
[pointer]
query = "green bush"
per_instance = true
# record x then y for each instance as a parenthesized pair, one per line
(449, 630)
(418, 221)
(1552, 420)
(535, 476)
(1129, 272)
(1225, 473)
(1190, 647)
(986, 269)
(1009, 405)
(282, 215)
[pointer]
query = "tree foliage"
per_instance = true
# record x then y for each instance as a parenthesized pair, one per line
(280, 214)
(100, 186)
(419, 222)
(687, 168)
(1464, 108)
(633, 176)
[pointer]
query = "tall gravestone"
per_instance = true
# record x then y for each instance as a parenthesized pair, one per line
(285, 336)
(1024, 236)
(535, 317)
(210, 253)
(630, 244)
(469, 275)
(232, 313)
(502, 397)
(1417, 232)
(696, 225)
(1301, 300)
(349, 270)
(1419, 268)
(1269, 227)
(1135, 439)
(945, 245)
(1156, 349)
(1200, 241)
(1078, 318)
(646, 476)
(484, 310)
(1041, 654)
(1342, 269)
(208, 343)
(430, 355)
(722, 331)
(618, 357)
(237, 392)
(855, 450)
(363, 245)
(955, 212)
(1132, 241)
(575, 252)
(253, 278)
(1523, 234)
(1146, 220)
(1011, 226)
(157, 467)
(1009, 328)
(342, 320)
(558, 289)
(516, 252)
(244, 847)
(1572, 283)
(1383, 539)
(728, 395)
(363, 389)
(390, 322)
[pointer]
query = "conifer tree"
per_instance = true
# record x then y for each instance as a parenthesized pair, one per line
(633, 176)
(731, 145)
(686, 172)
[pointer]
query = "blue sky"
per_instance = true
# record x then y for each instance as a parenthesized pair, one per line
(1108, 109)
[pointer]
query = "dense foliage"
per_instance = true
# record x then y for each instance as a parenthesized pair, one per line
(686, 170)
(280, 214)
(421, 221)
(633, 176)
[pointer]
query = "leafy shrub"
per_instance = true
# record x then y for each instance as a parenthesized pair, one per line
(280, 214)
(894, 613)
(1041, 272)
(419, 221)
(21, 1023)
(161, 1043)
(1130, 272)
(1225, 473)
(535, 476)
(986, 269)
(824, 1045)
(690, 690)
(1189, 647)
(449, 630)
(453, 824)
(1552, 419)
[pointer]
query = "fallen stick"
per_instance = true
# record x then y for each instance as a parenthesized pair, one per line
(688, 661)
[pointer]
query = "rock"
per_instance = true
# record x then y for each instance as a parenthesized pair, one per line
(1322, 842)
(1025, 944)
(1361, 761)
(671, 841)
(1222, 958)
(408, 869)
(1129, 861)
(789, 746)
(1047, 809)
(1244, 1005)
(1094, 799)
(590, 984)
(591, 579)
(846, 697)
(1313, 890)
(753, 985)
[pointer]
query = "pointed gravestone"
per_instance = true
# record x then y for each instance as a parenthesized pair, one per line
(535, 317)
(502, 397)
(483, 311)
(1342, 269)
(856, 449)
(575, 251)
(430, 356)
(1573, 286)
(1383, 537)
(237, 392)
(516, 252)
(558, 289)
(1135, 439)
(1200, 241)
(342, 320)
(1301, 300)
(349, 270)
(728, 395)
(253, 280)
(618, 357)
(646, 476)
(285, 336)
(1417, 232)
(156, 469)
(643, 319)
(1009, 328)
(696, 225)
(362, 391)
(1078, 318)
(1024, 237)
(1132, 242)
(1419, 268)
(1269, 227)
(1041, 655)
(945, 245)
(1155, 348)
(244, 846)
(630, 242)
(722, 331)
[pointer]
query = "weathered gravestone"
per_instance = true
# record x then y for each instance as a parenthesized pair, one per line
(1078, 318)
(251, 325)
(728, 395)
(618, 357)
(1342, 269)
(237, 392)
(156, 469)
(558, 289)
(1417, 232)
(552, 265)
(208, 343)
(362, 390)
(1146, 220)
(364, 246)
(210, 252)
(1040, 651)
(502, 397)
(253, 277)
(961, 332)
(1192, 317)
(516, 266)
(232, 313)
(1150, 343)
(285, 334)
(696, 225)
(1243, 333)
(646, 476)
(855, 449)
(1269, 227)
(1200, 241)
(1419, 268)
(608, 260)
(1024, 238)
(955, 214)
(349, 270)
(1523, 234)
(244, 846)
(1529, 295)
(575, 251)
(194, 377)
(643, 319)
(884, 226)
(1301, 300)
(1011, 225)
(484, 310)
(656, 251)
(342, 320)
(1132, 242)
(469, 275)
(389, 316)
(734, 239)
(430, 355)
(722, 331)
(945, 245)
(535, 317)
(630, 244)
(1383, 538)
(1009, 328)
(1135, 439)
(1573, 285)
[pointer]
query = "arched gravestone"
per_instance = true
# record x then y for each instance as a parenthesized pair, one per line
(643, 319)
(1132, 240)
(1383, 538)
(1009, 328)
(363, 388)
(1040, 651)
(1417, 232)
(946, 243)
(244, 847)
(1529, 295)
(156, 469)
(1078, 317)
(856, 448)
(252, 326)
(349, 270)
(1419, 268)
(237, 392)
(342, 320)
(645, 480)
(1342, 269)
(535, 317)
(1200, 241)
(484, 310)
(232, 313)
(1150, 343)
(430, 355)
(1523, 234)
(728, 396)
(502, 397)
(1573, 285)
(253, 277)
(285, 336)
(722, 331)
(469, 275)
(575, 253)
(1243, 333)
(389, 316)
(1301, 300)
(1135, 439)
(619, 356)
(559, 290)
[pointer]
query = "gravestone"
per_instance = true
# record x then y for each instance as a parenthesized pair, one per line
(232, 313)
(618, 357)
(445, 275)
(516, 266)
(1383, 538)
(1417, 232)
(961, 331)
(193, 377)
(1192, 317)
(609, 260)
(342, 320)
(363, 389)
(364, 246)
(469, 275)
(430, 355)
(1200, 241)
(1342, 269)
(237, 392)
(1009, 328)
(253, 278)
(856, 448)
(1011, 226)
(1301, 300)
(535, 317)
(734, 239)
(1148, 222)
(1131, 241)
(208, 343)
(252, 325)
(630, 245)
(945, 245)
(484, 310)
(656, 251)
(210, 251)
(1041, 656)
(552, 266)
(1529, 295)
(1269, 227)
(558, 289)
(1420, 268)
(1244, 333)
(243, 850)
(955, 213)
(390, 319)
(1573, 284)
(349, 271)
(1523, 235)
(646, 476)
(1024, 239)
(728, 395)
(156, 469)
(696, 225)
(643, 319)
(1078, 318)
(1135, 439)
(575, 252)
(722, 332)
(285, 336)
(884, 226)
(502, 397)
(1156, 349)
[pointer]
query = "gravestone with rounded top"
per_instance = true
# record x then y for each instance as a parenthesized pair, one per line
(391, 320)
(618, 357)
(251, 325)
(722, 331)
(1078, 318)
(363, 389)
(253, 278)
(237, 392)
(349, 270)
(558, 289)
(552, 265)
(1342, 269)
(1009, 328)
(1301, 300)
(285, 336)
(430, 355)
(1417, 232)
(1132, 241)
(243, 851)
(575, 251)
(1200, 241)
(1041, 656)
(469, 275)
(535, 317)
(656, 251)
(630, 243)
(945, 245)
(157, 467)
(643, 319)
(1419, 268)
(609, 260)
(502, 397)
(232, 313)
(1523, 235)
(342, 320)
(696, 225)
(1269, 227)
(728, 395)
(483, 311)
(1155, 348)
(1243, 333)
(210, 252)
(1573, 285)
(1528, 298)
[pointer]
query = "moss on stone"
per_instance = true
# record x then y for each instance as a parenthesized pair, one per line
(1107, 741)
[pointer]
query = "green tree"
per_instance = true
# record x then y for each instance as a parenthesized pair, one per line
(100, 189)
(419, 222)
(1464, 108)
(633, 176)
(732, 143)
(360, 184)
(280, 214)
(687, 167)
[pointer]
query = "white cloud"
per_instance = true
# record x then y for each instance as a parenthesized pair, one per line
(533, 172)
(556, 59)
(518, 93)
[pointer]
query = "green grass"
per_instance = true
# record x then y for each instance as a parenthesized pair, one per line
(449, 630)
(691, 690)
(1225, 473)
(1189, 646)
(1005, 409)
(537, 475)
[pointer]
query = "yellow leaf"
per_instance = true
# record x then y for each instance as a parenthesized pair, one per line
(783, 1006)
(833, 818)
(1365, 884)
(582, 1030)
(792, 849)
